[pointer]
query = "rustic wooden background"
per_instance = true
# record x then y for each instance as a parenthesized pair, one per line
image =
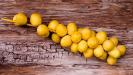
(22, 52)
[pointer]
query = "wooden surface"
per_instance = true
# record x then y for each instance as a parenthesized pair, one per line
(22, 52)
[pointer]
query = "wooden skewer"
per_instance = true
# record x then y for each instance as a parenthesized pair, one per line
(6, 19)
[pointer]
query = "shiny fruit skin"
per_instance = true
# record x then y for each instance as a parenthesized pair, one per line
(114, 40)
(111, 60)
(66, 41)
(76, 37)
(104, 56)
(35, 19)
(86, 33)
(55, 38)
(82, 46)
(20, 19)
(122, 49)
(101, 36)
(88, 53)
(61, 30)
(42, 30)
(115, 53)
(92, 42)
(71, 28)
(52, 25)
(98, 52)
(108, 45)
(74, 48)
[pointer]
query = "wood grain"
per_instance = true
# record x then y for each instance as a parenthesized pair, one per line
(22, 52)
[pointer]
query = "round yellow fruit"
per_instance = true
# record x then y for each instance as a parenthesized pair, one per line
(66, 41)
(52, 25)
(55, 38)
(108, 45)
(92, 42)
(115, 53)
(71, 28)
(82, 46)
(111, 60)
(61, 30)
(88, 53)
(122, 49)
(86, 33)
(101, 36)
(114, 40)
(98, 52)
(35, 19)
(93, 33)
(42, 30)
(76, 37)
(104, 56)
(80, 29)
(74, 48)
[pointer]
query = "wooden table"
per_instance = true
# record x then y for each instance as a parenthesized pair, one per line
(22, 52)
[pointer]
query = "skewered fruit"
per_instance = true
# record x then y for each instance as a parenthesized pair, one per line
(76, 37)
(74, 48)
(108, 45)
(35, 19)
(88, 53)
(104, 56)
(52, 25)
(115, 53)
(98, 52)
(82, 46)
(71, 28)
(111, 60)
(55, 38)
(66, 41)
(86, 33)
(93, 33)
(61, 30)
(42, 30)
(122, 49)
(101, 36)
(114, 40)
(19, 19)
(92, 42)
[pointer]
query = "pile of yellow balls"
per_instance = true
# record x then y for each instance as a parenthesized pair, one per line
(79, 40)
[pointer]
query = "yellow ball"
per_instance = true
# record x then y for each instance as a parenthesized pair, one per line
(71, 28)
(52, 25)
(42, 30)
(115, 53)
(80, 29)
(93, 33)
(55, 38)
(76, 37)
(86, 33)
(98, 52)
(61, 30)
(111, 60)
(74, 48)
(66, 41)
(92, 42)
(101, 36)
(108, 45)
(88, 53)
(104, 56)
(114, 40)
(122, 49)
(35, 19)
(20, 19)
(82, 46)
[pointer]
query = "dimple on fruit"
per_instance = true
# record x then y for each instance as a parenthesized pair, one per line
(115, 53)
(88, 53)
(122, 49)
(66, 41)
(71, 28)
(76, 37)
(61, 30)
(98, 52)
(19, 19)
(52, 25)
(111, 60)
(101, 36)
(108, 45)
(42, 30)
(35, 19)
(86, 33)
(92, 42)
(55, 38)
(82, 46)
(74, 48)
(114, 39)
